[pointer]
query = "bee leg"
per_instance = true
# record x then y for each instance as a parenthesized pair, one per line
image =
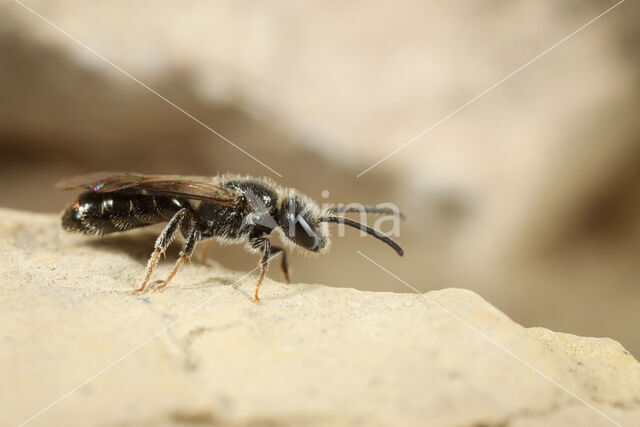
(265, 244)
(284, 265)
(204, 253)
(162, 242)
(185, 254)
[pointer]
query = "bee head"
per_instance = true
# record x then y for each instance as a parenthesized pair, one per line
(300, 223)
(304, 225)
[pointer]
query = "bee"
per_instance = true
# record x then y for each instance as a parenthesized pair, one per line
(227, 208)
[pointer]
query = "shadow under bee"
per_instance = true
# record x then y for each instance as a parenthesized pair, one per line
(137, 247)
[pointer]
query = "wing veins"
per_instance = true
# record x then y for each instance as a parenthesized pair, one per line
(189, 187)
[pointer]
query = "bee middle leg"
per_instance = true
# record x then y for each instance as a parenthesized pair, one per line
(204, 254)
(265, 244)
(162, 242)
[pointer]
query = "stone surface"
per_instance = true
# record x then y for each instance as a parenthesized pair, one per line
(202, 353)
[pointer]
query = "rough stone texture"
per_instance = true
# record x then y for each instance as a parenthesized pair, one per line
(309, 354)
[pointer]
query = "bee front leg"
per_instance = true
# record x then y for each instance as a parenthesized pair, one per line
(162, 242)
(284, 265)
(265, 244)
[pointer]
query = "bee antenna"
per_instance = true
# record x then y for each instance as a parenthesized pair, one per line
(370, 231)
(365, 209)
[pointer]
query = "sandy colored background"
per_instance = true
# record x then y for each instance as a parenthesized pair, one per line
(528, 197)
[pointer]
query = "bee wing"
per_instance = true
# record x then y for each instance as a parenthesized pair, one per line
(104, 181)
(190, 187)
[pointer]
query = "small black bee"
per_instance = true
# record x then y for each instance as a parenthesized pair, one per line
(228, 208)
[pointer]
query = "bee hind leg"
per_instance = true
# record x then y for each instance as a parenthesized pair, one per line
(185, 254)
(162, 242)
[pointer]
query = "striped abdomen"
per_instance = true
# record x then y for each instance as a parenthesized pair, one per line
(102, 213)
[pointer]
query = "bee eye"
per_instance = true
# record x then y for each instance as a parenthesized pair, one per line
(304, 234)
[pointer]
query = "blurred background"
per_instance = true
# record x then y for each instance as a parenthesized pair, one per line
(529, 196)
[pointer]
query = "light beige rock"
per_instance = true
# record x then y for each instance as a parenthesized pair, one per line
(203, 353)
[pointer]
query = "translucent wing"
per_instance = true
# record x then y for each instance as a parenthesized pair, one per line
(189, 187)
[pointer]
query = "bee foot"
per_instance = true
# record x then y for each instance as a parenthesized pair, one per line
(161, 287)
(138, 291)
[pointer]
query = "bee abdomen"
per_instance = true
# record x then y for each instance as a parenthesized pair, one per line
(103, 213)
